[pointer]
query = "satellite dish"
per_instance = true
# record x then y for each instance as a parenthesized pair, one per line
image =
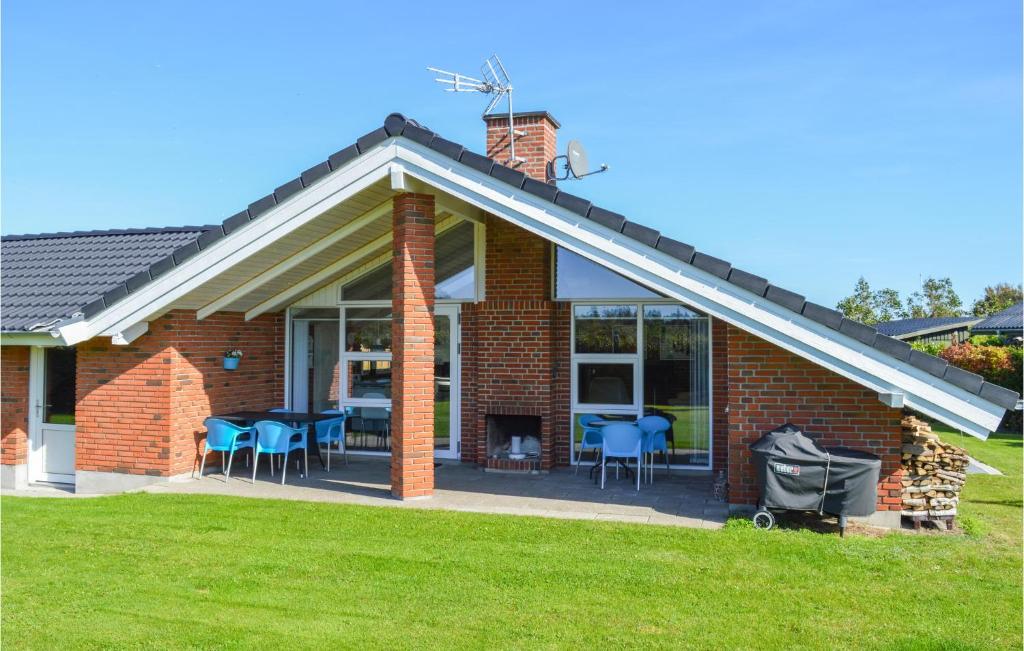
(576, 164)
(576, 159)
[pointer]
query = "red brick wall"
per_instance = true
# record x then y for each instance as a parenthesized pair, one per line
(537, 146)
(769, 386)
(14, 361)
(412, 347)
(508, 352)
(140, 407)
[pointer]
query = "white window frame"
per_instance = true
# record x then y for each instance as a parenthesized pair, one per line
(636, 409)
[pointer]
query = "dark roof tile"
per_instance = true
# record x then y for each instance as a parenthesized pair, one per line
(418, 134)
(114, 295)
(748, 281)
(966, 380)
(641, 233)
(288, 190)
(508, 175)
(138, 280)
(185, 252)
(537, 188)
(339, 158)
(899, 350)
(928, 363)
(161, 266)
(607, 218)
(394, 124)
(823, 315)
(998, 395)
(315, 173)
(675, 248)
(476, 161)
(236, 221)
(711, 264)
(210, 236)
(859, 331)
(447, 147)
(789, 300)
(261, 205)
(372, 139)
(573, 203)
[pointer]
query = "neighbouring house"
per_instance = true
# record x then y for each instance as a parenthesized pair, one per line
(1008, 323)
(936, 330)
(452, 298)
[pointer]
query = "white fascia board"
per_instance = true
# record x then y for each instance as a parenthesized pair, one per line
(251, 238)
(44, 339)
(745, 310)
(130, 334)
(302, 256)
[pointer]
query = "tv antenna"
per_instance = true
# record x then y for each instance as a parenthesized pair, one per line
(575, 164)
(495, 83)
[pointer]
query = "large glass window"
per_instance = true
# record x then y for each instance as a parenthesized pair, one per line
(455, 275)
(454, 270)
(59, 389)
(605, 329)
(635, 359)
(577, 277)
(369, 378)
(316, 374)
(676, 378)
(368, 330)
(603, 383)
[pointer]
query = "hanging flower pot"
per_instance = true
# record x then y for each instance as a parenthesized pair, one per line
(231, 359)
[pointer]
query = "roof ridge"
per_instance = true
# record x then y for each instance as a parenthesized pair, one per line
(146, 230)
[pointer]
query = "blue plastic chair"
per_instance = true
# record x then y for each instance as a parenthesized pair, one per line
(591, 438)
(621, 441)
(655, 429)
(277, 438)
(225, 437)
(329, 431)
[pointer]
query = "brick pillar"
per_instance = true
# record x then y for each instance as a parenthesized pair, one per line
(412, 347)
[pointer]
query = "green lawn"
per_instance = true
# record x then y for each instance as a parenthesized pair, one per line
(164, 571)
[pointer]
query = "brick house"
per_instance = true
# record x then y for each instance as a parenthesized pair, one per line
(445, 299)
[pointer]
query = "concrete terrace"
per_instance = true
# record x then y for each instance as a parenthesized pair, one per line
(677, 499)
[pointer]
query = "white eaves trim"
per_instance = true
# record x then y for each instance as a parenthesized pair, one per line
(403, 160)
(745, 310)
(248, 240)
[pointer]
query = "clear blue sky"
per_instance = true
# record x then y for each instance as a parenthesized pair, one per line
(810, 142)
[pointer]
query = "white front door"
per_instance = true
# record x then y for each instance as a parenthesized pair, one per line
(446, 381)
(52, 419)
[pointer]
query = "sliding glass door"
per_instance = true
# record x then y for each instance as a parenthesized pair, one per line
(636, 359)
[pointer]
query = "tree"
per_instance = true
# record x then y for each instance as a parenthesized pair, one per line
(871, 307)
(937, 298)
(996, 298)
(857, 306)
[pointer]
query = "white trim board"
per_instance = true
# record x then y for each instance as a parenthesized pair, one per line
(793, 332)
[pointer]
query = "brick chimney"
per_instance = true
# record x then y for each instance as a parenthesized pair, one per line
(536, 146)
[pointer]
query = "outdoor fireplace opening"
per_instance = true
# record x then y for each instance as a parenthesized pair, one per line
(515, 438)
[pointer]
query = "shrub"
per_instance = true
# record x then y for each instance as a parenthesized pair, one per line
(932, 348)
(1002, 365)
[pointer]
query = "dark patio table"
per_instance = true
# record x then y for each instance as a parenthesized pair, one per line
(287, 417)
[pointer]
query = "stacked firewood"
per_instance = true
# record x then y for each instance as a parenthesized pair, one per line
(933, 472)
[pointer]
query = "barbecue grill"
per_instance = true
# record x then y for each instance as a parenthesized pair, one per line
(795, 473)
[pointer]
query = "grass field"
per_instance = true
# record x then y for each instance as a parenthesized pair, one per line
(164, 571)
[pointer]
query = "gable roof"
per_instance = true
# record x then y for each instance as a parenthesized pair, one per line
(50, 276)
(902, 328)
(785, 310)
(1012, 318)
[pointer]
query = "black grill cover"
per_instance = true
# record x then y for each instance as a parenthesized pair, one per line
(791, 471)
